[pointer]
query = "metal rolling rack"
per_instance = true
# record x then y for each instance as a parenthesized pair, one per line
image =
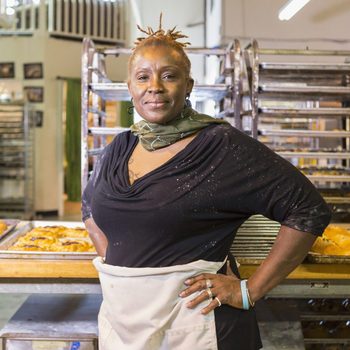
(16, 160)
(285, 100)
(288, 100)
(309, 103)
(97, 89)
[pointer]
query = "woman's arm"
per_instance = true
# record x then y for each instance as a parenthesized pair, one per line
(97, 236)
(288, 251)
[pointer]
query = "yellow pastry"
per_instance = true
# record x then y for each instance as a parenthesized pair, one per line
(335, 240)
(55, 239)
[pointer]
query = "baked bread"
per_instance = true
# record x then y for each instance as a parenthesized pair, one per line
(55, 239)
(76, 232)
(335, 240)
(26, 247)
(73, 245)
(39, 239)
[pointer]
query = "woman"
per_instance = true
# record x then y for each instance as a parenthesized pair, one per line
(163, 206)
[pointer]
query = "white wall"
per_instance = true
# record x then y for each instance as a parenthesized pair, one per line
(319, 25)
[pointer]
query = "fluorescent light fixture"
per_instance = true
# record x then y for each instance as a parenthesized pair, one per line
(10, 11)
(290, 9)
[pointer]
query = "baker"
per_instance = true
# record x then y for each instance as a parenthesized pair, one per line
(163, 206)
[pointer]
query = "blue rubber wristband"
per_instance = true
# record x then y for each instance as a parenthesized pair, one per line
(244, 295)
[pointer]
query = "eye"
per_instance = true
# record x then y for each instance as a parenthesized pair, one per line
(142, 77)
(169, 76)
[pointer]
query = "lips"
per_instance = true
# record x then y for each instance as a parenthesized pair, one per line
(156, 103)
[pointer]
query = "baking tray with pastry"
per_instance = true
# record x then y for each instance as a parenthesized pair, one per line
(6, 226)
(48, 240)
(333, 246)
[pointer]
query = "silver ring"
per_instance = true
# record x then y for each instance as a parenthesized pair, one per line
(208, 283)
(210, 293)
(218, 300)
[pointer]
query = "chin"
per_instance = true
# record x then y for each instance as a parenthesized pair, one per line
(158, 119)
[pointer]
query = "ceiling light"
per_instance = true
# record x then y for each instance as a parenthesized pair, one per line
(290, 9)
(10, 11)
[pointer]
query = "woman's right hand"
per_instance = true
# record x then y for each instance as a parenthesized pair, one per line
(224, 289)
(98, 238)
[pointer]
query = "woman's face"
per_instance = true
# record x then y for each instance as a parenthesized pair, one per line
(158, 83)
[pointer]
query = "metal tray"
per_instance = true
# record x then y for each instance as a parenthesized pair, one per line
(327, 259)
(25, 226)
(11, 224)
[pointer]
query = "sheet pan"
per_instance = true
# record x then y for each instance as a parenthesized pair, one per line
(11, 224)
(328, 259)
(25, 226)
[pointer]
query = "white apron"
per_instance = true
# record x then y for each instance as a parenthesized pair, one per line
(142, 310)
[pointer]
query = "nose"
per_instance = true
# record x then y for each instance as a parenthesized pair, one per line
(155, 85)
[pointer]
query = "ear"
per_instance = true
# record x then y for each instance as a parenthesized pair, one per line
(190, 83)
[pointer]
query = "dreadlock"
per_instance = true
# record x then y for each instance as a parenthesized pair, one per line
(164, 38)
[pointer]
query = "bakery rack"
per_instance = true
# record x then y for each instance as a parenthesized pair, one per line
(300, 107)
(98, 89)
(16, 160)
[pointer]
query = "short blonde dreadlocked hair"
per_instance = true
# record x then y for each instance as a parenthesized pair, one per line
(164, 38)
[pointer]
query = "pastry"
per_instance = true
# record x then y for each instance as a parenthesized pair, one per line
(55, 239)
(335, 240)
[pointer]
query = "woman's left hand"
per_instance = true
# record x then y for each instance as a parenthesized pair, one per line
(223, 289)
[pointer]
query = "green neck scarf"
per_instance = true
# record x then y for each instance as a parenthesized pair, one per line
(154, 136)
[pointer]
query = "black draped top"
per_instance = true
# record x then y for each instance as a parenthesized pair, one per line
(191, 207)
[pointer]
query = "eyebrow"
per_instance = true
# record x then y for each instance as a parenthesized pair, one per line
(162, 68)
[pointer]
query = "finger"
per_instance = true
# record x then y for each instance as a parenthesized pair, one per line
(204, 296)
(198, 278)
(196, 287)
(212, 306)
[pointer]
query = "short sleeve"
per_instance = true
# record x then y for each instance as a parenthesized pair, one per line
(273, 187)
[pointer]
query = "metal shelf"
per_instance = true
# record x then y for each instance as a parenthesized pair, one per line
(305, 133)
(17, 160)
(306, 92)
(305, 112)
(310, 316)
(95, 151)
(310, 67)
(321, 155)
(331, 178)
(191, 51)
(119, 91)
(337, 200)
(106, 131)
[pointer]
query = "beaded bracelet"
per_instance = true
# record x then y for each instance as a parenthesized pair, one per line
(244, 293)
